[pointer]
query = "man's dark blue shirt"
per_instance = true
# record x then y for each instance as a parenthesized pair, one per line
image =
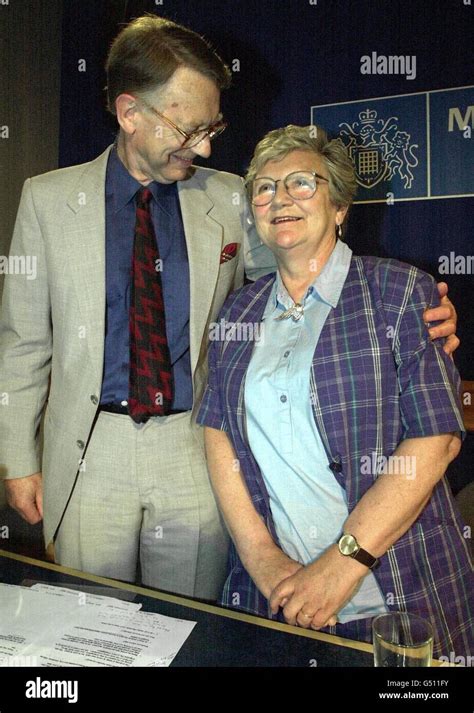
(120, 192)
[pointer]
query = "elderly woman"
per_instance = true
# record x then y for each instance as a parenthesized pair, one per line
(331, 418)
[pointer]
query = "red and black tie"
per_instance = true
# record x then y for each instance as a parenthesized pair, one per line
(151, 377)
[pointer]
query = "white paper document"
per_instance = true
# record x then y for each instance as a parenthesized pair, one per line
(53, 626)
(85, 598)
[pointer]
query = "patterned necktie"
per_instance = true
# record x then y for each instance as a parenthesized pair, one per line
(151, 378)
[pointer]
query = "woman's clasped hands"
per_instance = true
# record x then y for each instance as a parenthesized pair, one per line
(312, 596)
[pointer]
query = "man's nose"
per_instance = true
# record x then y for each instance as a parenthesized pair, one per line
(203, 148)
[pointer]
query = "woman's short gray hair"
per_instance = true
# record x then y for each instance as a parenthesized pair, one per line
(278, 143)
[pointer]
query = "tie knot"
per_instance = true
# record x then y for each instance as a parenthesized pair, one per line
(144, 196)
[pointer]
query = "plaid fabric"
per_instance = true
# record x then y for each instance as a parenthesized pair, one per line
(376, 380)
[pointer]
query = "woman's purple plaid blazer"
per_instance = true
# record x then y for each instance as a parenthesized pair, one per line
(376, 380)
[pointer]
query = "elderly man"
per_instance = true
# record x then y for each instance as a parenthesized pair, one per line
(136, 252)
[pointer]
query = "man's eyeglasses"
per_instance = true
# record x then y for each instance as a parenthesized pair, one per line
(300, 185)
(195, 137)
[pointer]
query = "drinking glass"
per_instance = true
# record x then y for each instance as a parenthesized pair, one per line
(402, 639)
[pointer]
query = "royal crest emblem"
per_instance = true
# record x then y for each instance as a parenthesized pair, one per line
(378, 149)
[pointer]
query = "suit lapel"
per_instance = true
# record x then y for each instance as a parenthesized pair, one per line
(84, 242)
(204, 237)
(84, 238)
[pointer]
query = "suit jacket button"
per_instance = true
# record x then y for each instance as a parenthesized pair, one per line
(80, 444)
(94, 400)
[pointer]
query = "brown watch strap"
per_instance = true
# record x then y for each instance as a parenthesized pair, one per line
(366, 558)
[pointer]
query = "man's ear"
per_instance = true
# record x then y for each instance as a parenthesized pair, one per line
(126, 108)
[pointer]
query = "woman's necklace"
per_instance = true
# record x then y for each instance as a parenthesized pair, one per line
(295, 312)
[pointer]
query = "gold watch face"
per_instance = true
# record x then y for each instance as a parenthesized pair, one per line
(348, 545)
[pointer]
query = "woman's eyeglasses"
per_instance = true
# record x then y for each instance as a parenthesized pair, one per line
(300, 185)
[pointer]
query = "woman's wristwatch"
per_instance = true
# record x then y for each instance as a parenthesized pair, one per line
(349, 547)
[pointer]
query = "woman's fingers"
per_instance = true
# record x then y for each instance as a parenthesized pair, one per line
(280, 595)
(305, 620)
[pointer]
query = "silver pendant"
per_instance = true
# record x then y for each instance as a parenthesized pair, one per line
(295, 312)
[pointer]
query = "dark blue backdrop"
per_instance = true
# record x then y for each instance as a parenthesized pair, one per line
(293, 54)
